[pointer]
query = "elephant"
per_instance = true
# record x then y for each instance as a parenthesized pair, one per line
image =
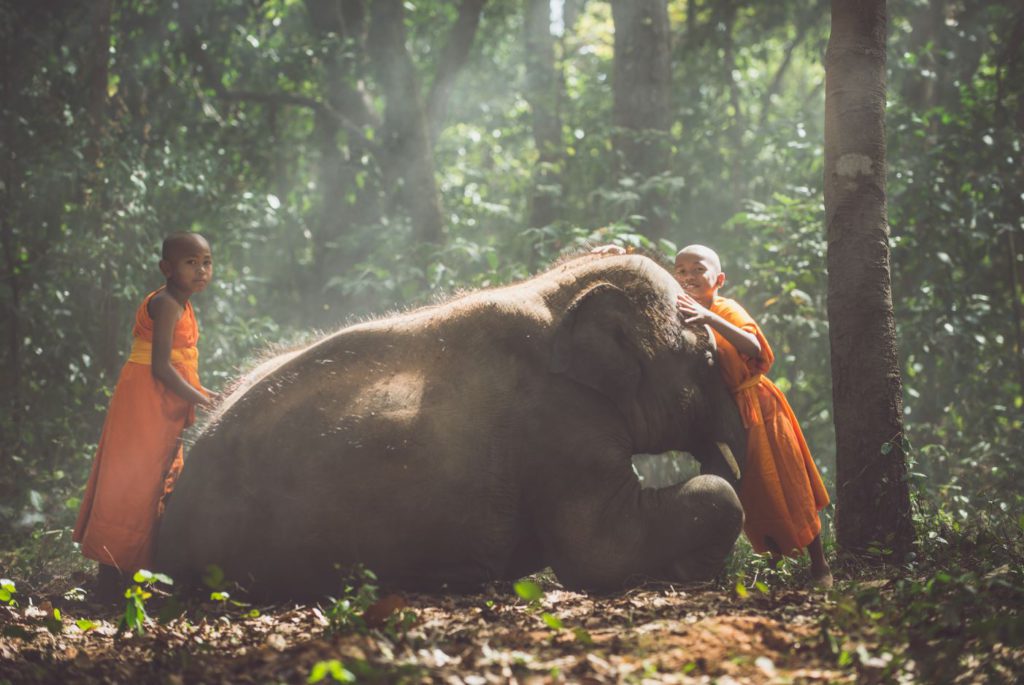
(476, 440)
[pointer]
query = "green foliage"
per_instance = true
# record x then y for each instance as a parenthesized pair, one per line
(332, 668)
(7, 592)
(351, 612)
(135, 616)
(533, 595)
(359, 592)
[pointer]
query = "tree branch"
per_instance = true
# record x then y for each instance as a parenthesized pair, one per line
(803, 26)
(209, 77)
(456, 51)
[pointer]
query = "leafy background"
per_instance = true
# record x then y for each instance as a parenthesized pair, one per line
(307, 235)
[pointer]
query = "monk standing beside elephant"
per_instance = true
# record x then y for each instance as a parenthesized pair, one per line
(782, 491)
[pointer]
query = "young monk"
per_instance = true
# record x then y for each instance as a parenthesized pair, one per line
(781, 490)
(140, 452)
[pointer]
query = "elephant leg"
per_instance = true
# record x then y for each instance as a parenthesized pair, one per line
(603, 539)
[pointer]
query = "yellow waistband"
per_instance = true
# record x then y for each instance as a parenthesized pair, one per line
(142, 353)
(749, 383)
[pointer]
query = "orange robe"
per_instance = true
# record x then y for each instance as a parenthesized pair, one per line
(139, 455)
(781, 490)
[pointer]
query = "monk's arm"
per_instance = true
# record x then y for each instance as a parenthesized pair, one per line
(745, 342)
(165, 313)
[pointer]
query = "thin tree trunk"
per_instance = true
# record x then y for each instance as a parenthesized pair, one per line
(456, 51)
(1018, 335)
(641, 82)
(804, 25)
(542, 92)
(873, 508)
(407, 154)
(97, 74)
(339, 164)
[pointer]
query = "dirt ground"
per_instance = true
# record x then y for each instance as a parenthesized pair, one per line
(653, 635)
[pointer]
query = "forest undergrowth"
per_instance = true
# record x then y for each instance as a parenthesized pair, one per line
(951, 613)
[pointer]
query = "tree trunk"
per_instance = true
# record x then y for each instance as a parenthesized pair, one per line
(343, 205)
(97, 72)
(542, 92)
(456, 52)
(407, 154)
(10, 379)
(873, 508)
(641, 81)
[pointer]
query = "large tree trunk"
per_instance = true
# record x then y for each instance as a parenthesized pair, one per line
(641, 81)
(873, 508)
(542, 92)
(408, 154)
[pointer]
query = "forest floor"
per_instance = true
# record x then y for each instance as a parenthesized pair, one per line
(768, 628)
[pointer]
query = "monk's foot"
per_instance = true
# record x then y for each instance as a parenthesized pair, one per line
(822, 577)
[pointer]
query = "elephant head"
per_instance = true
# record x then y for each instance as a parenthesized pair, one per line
(659, 372)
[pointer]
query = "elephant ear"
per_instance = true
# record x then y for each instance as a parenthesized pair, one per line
(594, 343)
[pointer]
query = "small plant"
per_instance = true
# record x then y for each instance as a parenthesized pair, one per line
(135, 615)
(7, 591)
(532, 593)
(333, 668)
(359, 592)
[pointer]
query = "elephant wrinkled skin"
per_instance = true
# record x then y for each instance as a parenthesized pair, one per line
(480, 439)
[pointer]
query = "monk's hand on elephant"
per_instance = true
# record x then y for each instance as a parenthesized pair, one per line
(212, 399)
(692, 310)
(609, 250)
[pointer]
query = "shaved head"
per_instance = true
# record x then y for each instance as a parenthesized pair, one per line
(701, 252)
(181, 243)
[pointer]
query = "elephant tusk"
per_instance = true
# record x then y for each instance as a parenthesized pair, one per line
(729, 458)
(711, 337)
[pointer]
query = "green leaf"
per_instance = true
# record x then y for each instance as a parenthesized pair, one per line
(886, 448)
(7, 590)
(741, 589)
(528, 590)
(219, 596)
(582, 636)
(552, 621)
(142, 576)
(85, 625)
(162, 578)
(332, 667)
(213, 577)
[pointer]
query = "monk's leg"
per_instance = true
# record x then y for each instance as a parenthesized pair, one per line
(109, 583)
(821, 574)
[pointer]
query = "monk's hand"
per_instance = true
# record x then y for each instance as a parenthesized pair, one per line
(608, 249)
(212, 399)
(692, 310)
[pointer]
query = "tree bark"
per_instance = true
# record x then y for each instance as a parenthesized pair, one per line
(11, 378)
(873, 508)
(542, 92)
(456, 51)
(407, 152)
(641, 82)
(97, 73)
